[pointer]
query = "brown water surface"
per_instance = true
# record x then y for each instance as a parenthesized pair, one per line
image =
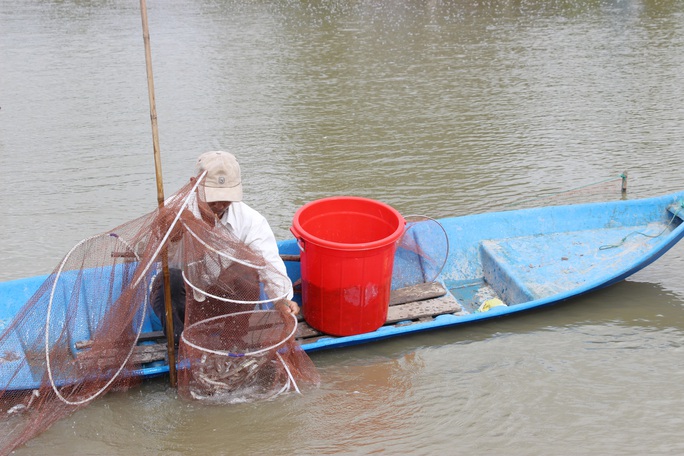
(435, 107)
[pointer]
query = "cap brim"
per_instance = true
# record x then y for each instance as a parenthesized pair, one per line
(213, 194)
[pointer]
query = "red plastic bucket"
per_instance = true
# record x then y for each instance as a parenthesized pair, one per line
(348, 246)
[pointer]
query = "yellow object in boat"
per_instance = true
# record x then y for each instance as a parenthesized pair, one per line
(490, 304)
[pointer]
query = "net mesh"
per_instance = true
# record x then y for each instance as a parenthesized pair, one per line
(78, 336)
(421, 252)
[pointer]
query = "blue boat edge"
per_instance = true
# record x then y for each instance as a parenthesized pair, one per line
(16, 292)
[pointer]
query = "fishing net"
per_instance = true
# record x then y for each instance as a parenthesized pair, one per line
(421, 252)
(238, 357)
(79, 335)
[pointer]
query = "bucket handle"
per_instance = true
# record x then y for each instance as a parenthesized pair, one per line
(300, 241)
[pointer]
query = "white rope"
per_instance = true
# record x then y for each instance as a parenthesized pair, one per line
(289, 374)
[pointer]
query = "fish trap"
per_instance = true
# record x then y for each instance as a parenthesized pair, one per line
(238, 357)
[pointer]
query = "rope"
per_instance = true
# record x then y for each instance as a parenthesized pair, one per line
(289, 374)
(652, 236)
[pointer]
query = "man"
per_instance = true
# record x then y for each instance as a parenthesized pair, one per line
(221, 190)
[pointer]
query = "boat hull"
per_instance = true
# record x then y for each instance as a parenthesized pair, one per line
(524, 259)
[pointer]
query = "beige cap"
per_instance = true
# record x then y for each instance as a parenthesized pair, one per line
(223, 181)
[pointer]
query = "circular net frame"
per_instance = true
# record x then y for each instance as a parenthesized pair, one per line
(421, 252)
(237, 357)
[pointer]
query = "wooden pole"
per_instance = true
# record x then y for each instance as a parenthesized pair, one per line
(624, 183)
(160, 195)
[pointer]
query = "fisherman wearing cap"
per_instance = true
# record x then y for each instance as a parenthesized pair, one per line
(221, 189)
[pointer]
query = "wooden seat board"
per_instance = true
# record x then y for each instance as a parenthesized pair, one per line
(425, 300)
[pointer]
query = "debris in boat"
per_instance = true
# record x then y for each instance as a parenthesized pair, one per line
(490, 304)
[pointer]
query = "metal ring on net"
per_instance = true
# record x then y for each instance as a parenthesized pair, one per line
(413, 221)
(236, 301)
(47, 324)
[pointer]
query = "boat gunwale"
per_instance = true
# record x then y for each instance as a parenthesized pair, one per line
(289, 246)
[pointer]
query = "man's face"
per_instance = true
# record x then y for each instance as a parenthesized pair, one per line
(219, 207)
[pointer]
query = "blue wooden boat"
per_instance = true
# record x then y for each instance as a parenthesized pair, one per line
(498, 264)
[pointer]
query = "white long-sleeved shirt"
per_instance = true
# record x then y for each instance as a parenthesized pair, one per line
(251, 228)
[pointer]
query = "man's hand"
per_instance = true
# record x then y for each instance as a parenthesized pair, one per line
(288, 306)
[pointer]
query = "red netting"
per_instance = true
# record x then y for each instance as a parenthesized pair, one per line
(77, 337)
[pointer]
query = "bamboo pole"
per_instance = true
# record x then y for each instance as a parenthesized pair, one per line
(160, 195)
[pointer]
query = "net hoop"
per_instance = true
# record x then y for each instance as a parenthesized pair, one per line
(47, 325)
(421, 218)
(234, 301)
(289, 375)
(219, 253)
(238, 355)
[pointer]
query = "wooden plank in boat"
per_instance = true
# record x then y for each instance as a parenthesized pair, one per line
(149, 353)
(412, 303)
(416, 293)
(141, 354)
(421, 309)
(304, 331)
(144, 337)
(421, 301)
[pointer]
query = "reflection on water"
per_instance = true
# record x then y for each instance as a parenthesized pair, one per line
(438, 108)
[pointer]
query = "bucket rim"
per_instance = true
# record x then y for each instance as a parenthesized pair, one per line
(300, 232)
